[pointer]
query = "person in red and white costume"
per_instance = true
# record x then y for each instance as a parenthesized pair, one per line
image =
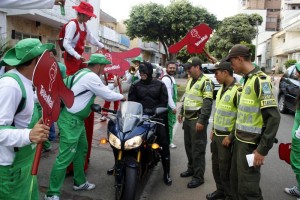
(76, 33)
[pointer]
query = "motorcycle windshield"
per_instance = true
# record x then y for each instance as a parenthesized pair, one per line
(129, 115)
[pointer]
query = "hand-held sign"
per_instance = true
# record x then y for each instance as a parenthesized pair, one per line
(195, 40)
(118, 59)
(50, 91)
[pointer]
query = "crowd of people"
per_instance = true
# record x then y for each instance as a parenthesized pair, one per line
(245, 121)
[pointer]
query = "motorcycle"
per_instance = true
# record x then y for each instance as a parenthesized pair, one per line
(133, 140)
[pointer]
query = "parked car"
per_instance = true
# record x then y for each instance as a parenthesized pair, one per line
(288, 90)
(209, 71)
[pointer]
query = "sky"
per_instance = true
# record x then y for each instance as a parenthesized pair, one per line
(119, 9)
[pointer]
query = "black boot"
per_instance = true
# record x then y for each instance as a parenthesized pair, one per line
(166, 167)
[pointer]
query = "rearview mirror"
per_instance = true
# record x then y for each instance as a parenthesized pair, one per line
(96, 107)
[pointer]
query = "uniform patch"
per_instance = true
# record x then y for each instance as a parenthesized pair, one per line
(267, 103)
(208, 88)
(266, 88)
(248, 90)
(227, 98)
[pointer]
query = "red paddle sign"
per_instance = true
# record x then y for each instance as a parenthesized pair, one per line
(118, 59)
(195, 40)
(50, 90)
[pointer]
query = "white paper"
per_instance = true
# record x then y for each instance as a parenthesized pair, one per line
(250, 159)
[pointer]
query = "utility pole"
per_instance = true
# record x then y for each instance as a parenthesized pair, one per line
(255, 58)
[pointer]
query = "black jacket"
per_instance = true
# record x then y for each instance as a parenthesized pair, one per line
(151, 94)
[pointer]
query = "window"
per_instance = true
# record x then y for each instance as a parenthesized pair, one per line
(293, 74)
(21, 36)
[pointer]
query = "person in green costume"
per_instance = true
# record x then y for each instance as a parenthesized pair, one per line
(73, 146)
(20, 127)
(136, 76)
(171, 85)
(295, 155)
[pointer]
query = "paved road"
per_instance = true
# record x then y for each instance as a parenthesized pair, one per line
(276, 174)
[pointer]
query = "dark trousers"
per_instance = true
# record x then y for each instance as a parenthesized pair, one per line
(221, 162)
(195, 146)
(244, 180)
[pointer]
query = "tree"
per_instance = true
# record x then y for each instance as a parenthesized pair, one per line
(231, 31)
(154, 22)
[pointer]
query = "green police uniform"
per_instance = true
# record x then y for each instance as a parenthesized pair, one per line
(256, 127)
(16, 181)
(196, 108)
(224, 124)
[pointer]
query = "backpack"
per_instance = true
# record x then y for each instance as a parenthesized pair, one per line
(62, 33)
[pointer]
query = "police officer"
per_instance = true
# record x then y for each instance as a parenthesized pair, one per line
(196, 110)
(223, 125)
(256, 126)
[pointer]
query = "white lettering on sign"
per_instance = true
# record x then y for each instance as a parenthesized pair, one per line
(114, 67)
(47, 98)
(52, 75)
(201, 40)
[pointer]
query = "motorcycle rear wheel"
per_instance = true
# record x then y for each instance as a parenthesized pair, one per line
(126, 190)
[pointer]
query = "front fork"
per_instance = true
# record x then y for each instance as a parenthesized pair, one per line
(122, 163)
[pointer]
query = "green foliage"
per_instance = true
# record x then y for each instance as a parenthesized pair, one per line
(154, 22)
(183, 56)
(233, 30)
(289, 63)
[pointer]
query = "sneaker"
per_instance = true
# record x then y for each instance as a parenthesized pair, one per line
(172, 146)
(103, 119)
(293, 191)
(51, 198)
(85, 186)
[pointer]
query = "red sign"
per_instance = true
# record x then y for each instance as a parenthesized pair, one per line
(118, 59)
(195, 40)
(50, 90)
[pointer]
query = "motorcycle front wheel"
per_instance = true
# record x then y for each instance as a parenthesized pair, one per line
(126, 190)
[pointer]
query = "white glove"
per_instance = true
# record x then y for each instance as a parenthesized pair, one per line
(297, 133)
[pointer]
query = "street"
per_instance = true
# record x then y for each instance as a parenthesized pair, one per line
(276, 174)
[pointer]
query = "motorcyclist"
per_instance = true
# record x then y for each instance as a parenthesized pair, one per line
(152, 93)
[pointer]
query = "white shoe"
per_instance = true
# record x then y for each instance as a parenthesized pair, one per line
(85, 186)
(103, 119)
(51, 198)
(293, 191)
(172, 146)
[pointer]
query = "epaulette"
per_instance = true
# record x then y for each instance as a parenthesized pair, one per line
(262, 75)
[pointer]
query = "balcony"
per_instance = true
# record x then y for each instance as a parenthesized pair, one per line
(291, 45)
(149, 46)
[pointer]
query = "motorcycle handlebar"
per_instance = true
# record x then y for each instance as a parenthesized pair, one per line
(157, 119)
(108, 110)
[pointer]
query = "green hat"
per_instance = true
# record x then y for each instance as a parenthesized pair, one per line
(62, 69)
(25, 50)
(139, 59)
(98, 58)
(297, 66)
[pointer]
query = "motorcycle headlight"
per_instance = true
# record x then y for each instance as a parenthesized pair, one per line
(133, 142)
(114, 141)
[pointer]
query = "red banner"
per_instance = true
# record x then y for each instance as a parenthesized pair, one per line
(195, 40)
(118, 59)
(50, 90)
